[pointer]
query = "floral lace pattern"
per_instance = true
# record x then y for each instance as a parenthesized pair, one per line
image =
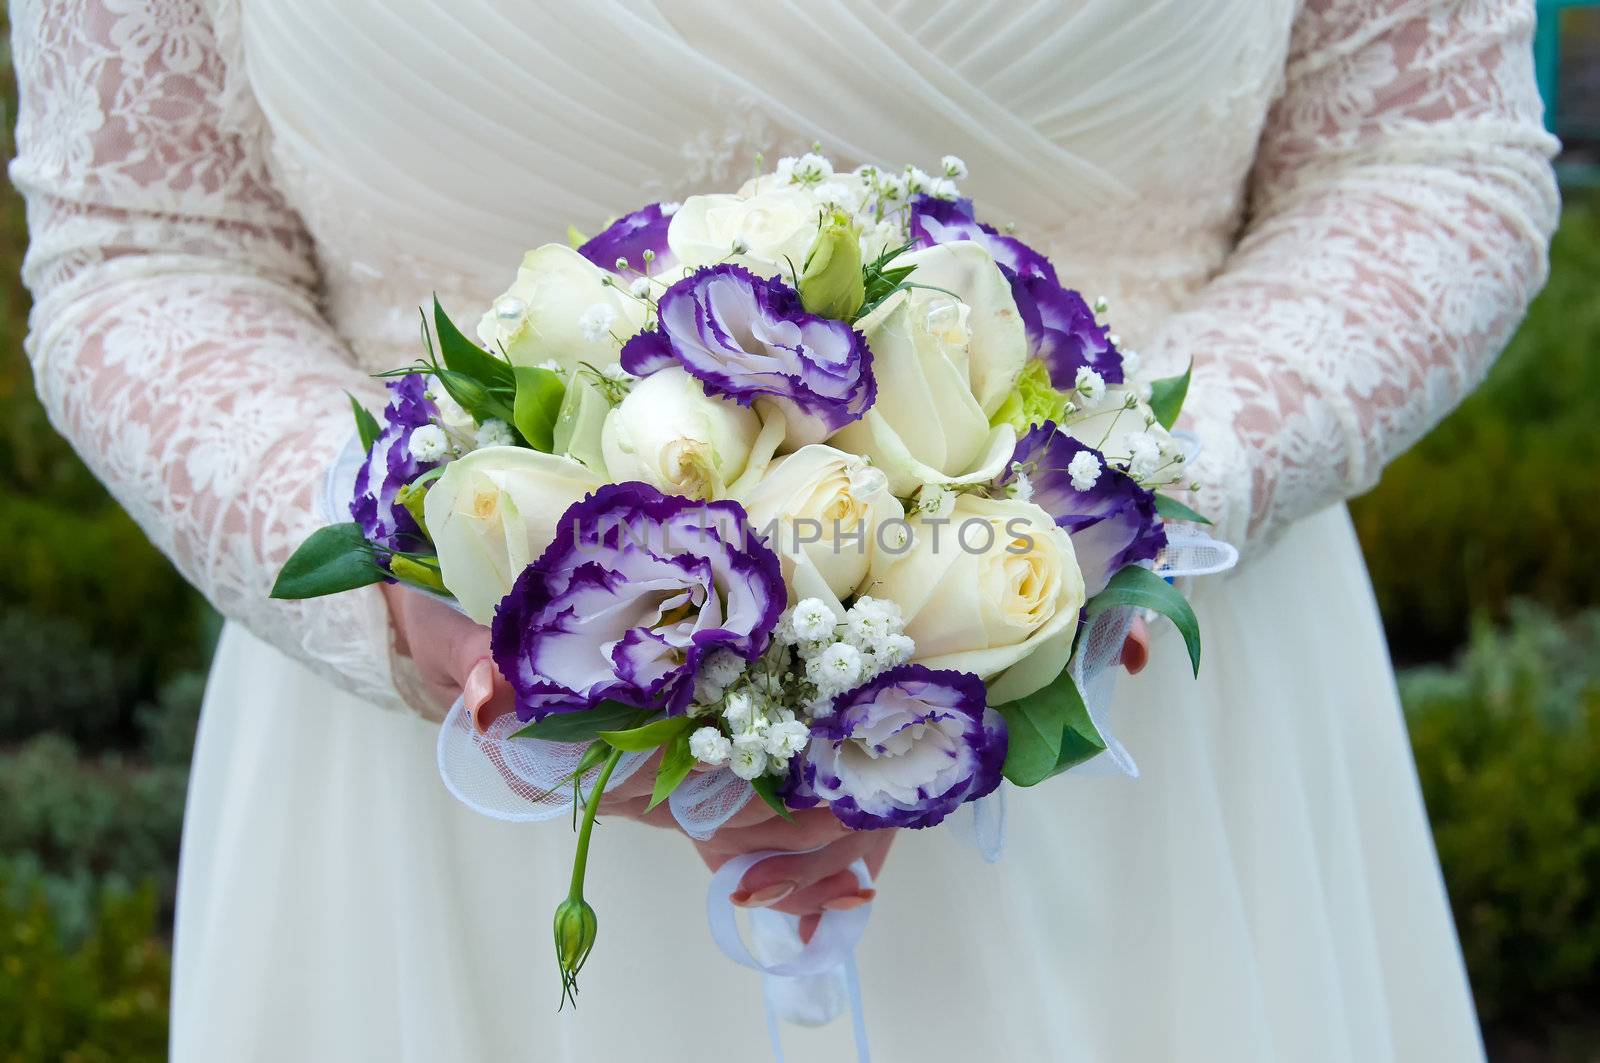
(183, 339)
(176, 339)
(1399, 213)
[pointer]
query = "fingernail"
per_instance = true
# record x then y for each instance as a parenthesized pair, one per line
(764, 897)
(479, 687)
(1136, 648)
(849, 901)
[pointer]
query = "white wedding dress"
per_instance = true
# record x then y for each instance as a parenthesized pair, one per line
(1338, 208)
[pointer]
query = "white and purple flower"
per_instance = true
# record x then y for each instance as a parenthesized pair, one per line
(629, 237)
(1062, 329)
(903, 750)
(944, 221)
(390, 466)
(1111, 520)
(747, 338)
(637, 589)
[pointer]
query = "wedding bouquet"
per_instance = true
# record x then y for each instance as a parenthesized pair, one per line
(824, 486)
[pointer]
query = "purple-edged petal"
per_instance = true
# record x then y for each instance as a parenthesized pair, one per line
(942, 221)
(904, 750)
(633, 593)
(1112, 524)
(629, 237)
(746, 337)
(1063, 331)
(389, 466)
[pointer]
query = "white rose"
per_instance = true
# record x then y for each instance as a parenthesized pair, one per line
(549, 312)
(669, 433)
(774, 227)
(997, 345)
(827, 506)
(926, 425)
(994, 585)
(493, 512)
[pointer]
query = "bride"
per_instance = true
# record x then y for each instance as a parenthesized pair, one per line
(1338, 208)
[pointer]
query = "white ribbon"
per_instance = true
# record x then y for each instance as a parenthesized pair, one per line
(801, 984)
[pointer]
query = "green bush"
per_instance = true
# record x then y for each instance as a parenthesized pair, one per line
(56, 679)
(103, 1000)
(1507, 744)
(73, 825)
(1502, 500)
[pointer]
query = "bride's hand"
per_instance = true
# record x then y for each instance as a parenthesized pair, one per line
(451, 653)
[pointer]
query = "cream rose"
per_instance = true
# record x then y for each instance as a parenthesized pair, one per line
(824, 507)
(927, 425)
(492, 512)
(990, 586)
(669, 433)
(561, 308)
(775, 227)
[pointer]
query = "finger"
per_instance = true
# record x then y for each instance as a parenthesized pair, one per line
(1136, 647)
(838, 891)
(811, 829)
(804, 871)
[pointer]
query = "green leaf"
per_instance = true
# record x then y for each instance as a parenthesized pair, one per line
(538, 405)
(1167, 395)
(463, 356)
(1034, 727)
(766, 788)
(676, 763)
(366, 424)
(653, 734)
(332, 559)
(575, 239)
(483, 403)
(584, 726)
(1172, 509)
(1049, 732)
(1143, 589)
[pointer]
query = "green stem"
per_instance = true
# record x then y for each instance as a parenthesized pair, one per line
(580, 860)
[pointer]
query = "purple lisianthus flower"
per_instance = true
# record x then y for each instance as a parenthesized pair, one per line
(1112, 523)
(629, 237)
(637, 588)
(746, 337)
(1063, 331)
(904, 750)
(390, 466)
(943, 221)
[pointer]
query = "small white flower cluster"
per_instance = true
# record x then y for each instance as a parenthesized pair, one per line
(595, 323)
(1090, 387)
(764, 709)
(875, 197)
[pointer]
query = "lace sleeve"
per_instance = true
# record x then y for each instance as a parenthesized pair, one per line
(175, 339)
(1401, 206)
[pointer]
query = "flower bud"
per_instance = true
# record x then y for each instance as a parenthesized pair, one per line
(416, 572)
(575, 928)
(831, 284)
